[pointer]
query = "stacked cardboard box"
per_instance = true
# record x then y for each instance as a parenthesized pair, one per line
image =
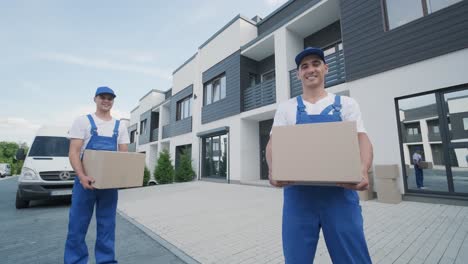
(368, 194)
(386, 183)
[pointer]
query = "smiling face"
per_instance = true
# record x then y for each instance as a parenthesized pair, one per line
(104, 102)
(312, 72)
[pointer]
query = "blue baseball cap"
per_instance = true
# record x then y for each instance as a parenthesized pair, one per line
(104, 90)
(307, 52)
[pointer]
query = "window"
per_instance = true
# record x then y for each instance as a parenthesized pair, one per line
(413, 131)
(435, 130)
(215, 90)
(465, 123)
(143, 127)
(253, 79)
(400, 12)
(268, 76)
(132, 136)
(436, 5)
(49, 147)
(184, 108)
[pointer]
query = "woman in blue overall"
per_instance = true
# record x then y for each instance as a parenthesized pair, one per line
(99, 133)
(334, 209)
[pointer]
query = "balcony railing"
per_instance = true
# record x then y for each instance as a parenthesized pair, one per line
(166, 131)
(336, 73)
(260, 95)
(154, 134)
(412, 138)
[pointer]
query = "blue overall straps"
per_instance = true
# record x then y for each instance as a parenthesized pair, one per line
(81, 211)
(336, 210)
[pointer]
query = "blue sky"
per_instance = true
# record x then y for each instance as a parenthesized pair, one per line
(55, 53)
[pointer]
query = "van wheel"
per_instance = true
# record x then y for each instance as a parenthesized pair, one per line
(20, 203)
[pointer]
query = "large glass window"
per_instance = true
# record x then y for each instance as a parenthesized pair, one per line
(215, 156)
(417, 145)
(400, 12)
(215, 90)
(435, 156)
(184, 108)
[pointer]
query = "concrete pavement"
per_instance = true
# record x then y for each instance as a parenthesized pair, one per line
(230, 223)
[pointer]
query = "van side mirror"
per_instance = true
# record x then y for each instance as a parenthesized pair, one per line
(20, 155)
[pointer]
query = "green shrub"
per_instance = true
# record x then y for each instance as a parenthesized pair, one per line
(146, 176)
(164, 171)
(185, 171)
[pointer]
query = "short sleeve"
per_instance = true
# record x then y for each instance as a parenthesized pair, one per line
(78, 128)
(280, 118)
(123, 134)
(352, 112)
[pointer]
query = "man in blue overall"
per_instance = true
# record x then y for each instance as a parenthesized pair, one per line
(98, 131)
(334, 209)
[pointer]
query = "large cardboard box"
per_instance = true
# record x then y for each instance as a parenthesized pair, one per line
(321, 153)
(425, 165)
(112, 169)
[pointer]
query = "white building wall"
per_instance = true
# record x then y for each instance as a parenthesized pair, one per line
(287, 46)
(376, 95)
(225, 44)
(184, 76)
(247, 32)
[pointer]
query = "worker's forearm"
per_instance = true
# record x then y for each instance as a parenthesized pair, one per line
(76, 163)
(366, 151)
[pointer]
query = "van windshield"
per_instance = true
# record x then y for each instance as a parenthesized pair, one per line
(50, 147)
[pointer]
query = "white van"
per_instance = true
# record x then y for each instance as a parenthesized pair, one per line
(47, 172)
(5, 170)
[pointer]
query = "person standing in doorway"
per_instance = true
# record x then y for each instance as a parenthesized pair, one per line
(98, 131)
(334, 209)
(418, 171)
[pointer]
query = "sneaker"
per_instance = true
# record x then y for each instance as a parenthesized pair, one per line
(423, 188)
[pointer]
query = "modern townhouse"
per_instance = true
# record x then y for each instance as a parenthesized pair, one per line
(404, 61)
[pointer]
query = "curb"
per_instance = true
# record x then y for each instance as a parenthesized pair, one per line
(173, 249)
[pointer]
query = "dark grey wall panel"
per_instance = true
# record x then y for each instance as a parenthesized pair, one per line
(278, 18)
(266, 64)
(369, 49)
(181, 127)
(231, 104)
(325, 37)
(145, 137)
(168, 93)
(185, 125)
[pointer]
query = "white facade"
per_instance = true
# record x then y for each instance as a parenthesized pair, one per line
(376, 93)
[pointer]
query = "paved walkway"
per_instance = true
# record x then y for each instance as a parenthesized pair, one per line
(230, 223)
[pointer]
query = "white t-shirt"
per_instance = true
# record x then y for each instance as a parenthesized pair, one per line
(286, 112)
(81, 129)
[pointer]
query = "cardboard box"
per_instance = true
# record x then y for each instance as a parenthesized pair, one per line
(391, 171)
(386, 183)
(321, 153)
(113, 169)
(425, 165)
(368, 194)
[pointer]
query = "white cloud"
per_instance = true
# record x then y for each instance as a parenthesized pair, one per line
(106, 64)
(16, 129)
(135, 56)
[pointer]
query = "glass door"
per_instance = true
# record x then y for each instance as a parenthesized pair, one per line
(215, 157)
(421, 141)
(455, 114)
